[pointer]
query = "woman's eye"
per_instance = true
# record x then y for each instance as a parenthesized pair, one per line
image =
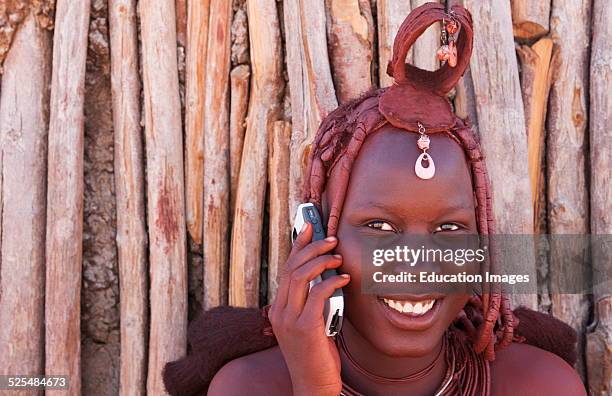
(381, 225)
(447, 227)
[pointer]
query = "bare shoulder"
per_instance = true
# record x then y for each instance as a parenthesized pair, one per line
(261, 373)
(525, 369)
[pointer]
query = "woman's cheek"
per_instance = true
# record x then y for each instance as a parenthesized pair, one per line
(352, 256)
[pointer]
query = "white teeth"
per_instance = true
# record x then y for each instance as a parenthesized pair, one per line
(417, 309)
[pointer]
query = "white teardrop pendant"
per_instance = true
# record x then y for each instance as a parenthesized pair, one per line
(423, 172)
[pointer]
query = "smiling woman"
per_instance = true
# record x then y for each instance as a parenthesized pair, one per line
(366, 175)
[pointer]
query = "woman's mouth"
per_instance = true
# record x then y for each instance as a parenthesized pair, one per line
(413, 308)
(414, 313)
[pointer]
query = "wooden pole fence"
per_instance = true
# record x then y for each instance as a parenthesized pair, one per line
(214, 107)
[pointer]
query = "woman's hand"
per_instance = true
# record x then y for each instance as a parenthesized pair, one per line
(297, 316)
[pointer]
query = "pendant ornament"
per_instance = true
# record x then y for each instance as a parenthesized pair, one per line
(424, 172)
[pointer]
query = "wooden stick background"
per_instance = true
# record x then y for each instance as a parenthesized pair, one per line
(208, 167)
(65, 195)
(24, 118)
(130, 195)
(216, 176)
(165, 190)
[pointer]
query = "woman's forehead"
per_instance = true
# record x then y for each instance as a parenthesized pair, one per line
(384, 171)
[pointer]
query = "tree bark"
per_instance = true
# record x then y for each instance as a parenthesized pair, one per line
(530, 18)
(165, 189)
(535, 62)
(310, 84)
(65, 195)
(391, 14)
(599, 353)
(280, 227)
(197, 46)
(351, 37)
(501, 123)
(566, 151)
(215, 234)
(129, 190)
(264, 110)
(239, 105)
(24, 117)
(425, 48)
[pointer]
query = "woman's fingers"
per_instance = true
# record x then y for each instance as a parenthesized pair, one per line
(310, 252)
(301, 277)
(313, 309)
(303, 239)
(302, 252)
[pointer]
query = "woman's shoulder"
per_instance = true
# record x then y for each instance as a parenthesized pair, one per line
(525, 369)
(260, 373)
(517, 369)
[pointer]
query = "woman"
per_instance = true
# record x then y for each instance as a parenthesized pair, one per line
(395, 162)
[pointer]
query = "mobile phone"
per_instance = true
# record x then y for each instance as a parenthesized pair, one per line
(334, 306)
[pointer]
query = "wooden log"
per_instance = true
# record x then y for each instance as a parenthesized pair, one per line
(24, 117)
(165, 189)
(280, 227)
(501, 123)
(311, 86)
(197, 45)
(351, 39)
(215, 233)
(264, 109)
(424, 49)
(535, 61)
(322, 96)
(465, 99)
(240, 34)
(599, 342)
(239, 105)
(391, 14)
(129, 190)
(1, 205)
(181, 20)
(298, 91)
(566, 151)
(65, 194)
(530, 18)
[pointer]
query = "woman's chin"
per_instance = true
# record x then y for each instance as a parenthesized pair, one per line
(409, 343)
(406, 326)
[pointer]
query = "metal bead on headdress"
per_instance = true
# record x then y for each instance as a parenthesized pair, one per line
(423, 144)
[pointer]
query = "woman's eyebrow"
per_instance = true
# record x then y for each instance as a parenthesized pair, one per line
(456, 211)
(375, 205)
(449, 207)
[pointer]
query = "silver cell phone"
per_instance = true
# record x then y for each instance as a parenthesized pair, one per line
(334, 306)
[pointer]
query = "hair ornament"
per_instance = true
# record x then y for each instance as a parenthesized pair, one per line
(421, 171)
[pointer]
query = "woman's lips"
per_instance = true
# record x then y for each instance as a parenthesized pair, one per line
(416, 314)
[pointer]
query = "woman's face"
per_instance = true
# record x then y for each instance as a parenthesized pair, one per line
(385, 199)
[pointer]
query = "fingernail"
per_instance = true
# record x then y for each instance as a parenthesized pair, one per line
(330, 239)
(346, 276)
(339, 257)
(304, 227)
